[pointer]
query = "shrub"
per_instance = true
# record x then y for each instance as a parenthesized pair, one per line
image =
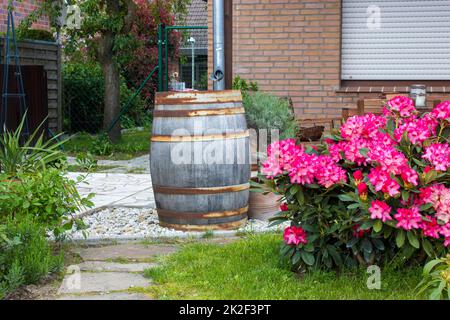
(25, 256)
(83, 98)
(266, 111)
(436, 282)
(48, 195)
(35, 34)
(378, 189)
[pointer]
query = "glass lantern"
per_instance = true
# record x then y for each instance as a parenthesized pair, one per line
(418, 92)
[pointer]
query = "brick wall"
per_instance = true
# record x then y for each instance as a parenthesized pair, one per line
(22, 10)
(291, 48)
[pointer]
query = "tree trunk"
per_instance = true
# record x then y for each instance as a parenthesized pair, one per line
(112, 99)
(112, 86)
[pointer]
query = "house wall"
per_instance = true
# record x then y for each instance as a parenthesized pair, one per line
(292, 48)
(22, 10)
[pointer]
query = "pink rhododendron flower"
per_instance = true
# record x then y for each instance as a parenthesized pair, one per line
(303, 169)
(410, 176)
(362, 126)
(380, 210)
(442, 111)
(382, 181)
(417, 130)
(439, 156)
(294, 235)
(439, 196)
(403, 105)
(408, 218)
(280, 156)
(328, 173)
(431, 228)
(445, 231)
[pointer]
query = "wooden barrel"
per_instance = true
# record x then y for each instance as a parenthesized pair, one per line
(199, 160)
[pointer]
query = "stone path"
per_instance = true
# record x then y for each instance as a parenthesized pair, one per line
(108, 273)
(117, 190)
(136, 165)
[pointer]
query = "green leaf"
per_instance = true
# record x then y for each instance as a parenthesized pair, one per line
(335, 255)
(353, 206)
(428, 247)
(364, 151)
(412, 238)
(345, 198)
(285, 250)
(367, 225)
(378, 244)
(400, 238)
(430, 265)
(296, 258)
(308, 258)
(294, 189)
(378, 225)
(405, 195)
(367, 246)
(300, 196)
(352, 242)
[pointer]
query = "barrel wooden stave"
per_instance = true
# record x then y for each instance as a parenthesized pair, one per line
(198, 175)
(217, 194)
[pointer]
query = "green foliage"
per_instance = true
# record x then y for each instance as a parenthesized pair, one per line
(436, 279)
(48, 195)
(250, 269)
(266, 111)
(244, 85)
(133, 143)
(32, 155)
(35, 34)
(28, 258)
(83, 98)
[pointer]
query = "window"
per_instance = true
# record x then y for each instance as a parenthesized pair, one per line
(395, 40)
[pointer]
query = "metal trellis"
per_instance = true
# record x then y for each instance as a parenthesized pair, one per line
(20, 94)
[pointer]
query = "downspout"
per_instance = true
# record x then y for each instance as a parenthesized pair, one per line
(218, 45)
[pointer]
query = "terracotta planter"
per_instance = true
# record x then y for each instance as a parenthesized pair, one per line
(263, 206)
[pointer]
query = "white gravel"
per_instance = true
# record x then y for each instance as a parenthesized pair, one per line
(136, 223)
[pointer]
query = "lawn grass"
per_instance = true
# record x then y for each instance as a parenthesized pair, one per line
(133, 143)
(250, 269)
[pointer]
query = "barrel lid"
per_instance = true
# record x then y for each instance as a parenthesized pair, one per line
(198, 97)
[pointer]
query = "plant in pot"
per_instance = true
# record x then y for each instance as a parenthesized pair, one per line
(267, 115)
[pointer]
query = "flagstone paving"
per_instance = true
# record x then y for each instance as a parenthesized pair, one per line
(114, 266)
(101, 282)
(116, 190)
(133, 252)
(107, 296)
(109, 272)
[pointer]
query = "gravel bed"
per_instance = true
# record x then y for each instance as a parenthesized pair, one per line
(136, 223)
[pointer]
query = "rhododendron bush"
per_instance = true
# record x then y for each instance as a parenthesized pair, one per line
(378, 188)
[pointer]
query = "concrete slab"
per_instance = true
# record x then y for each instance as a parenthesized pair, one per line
(108, 296)
(125, 251)
(114, 267)
(88, 282)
